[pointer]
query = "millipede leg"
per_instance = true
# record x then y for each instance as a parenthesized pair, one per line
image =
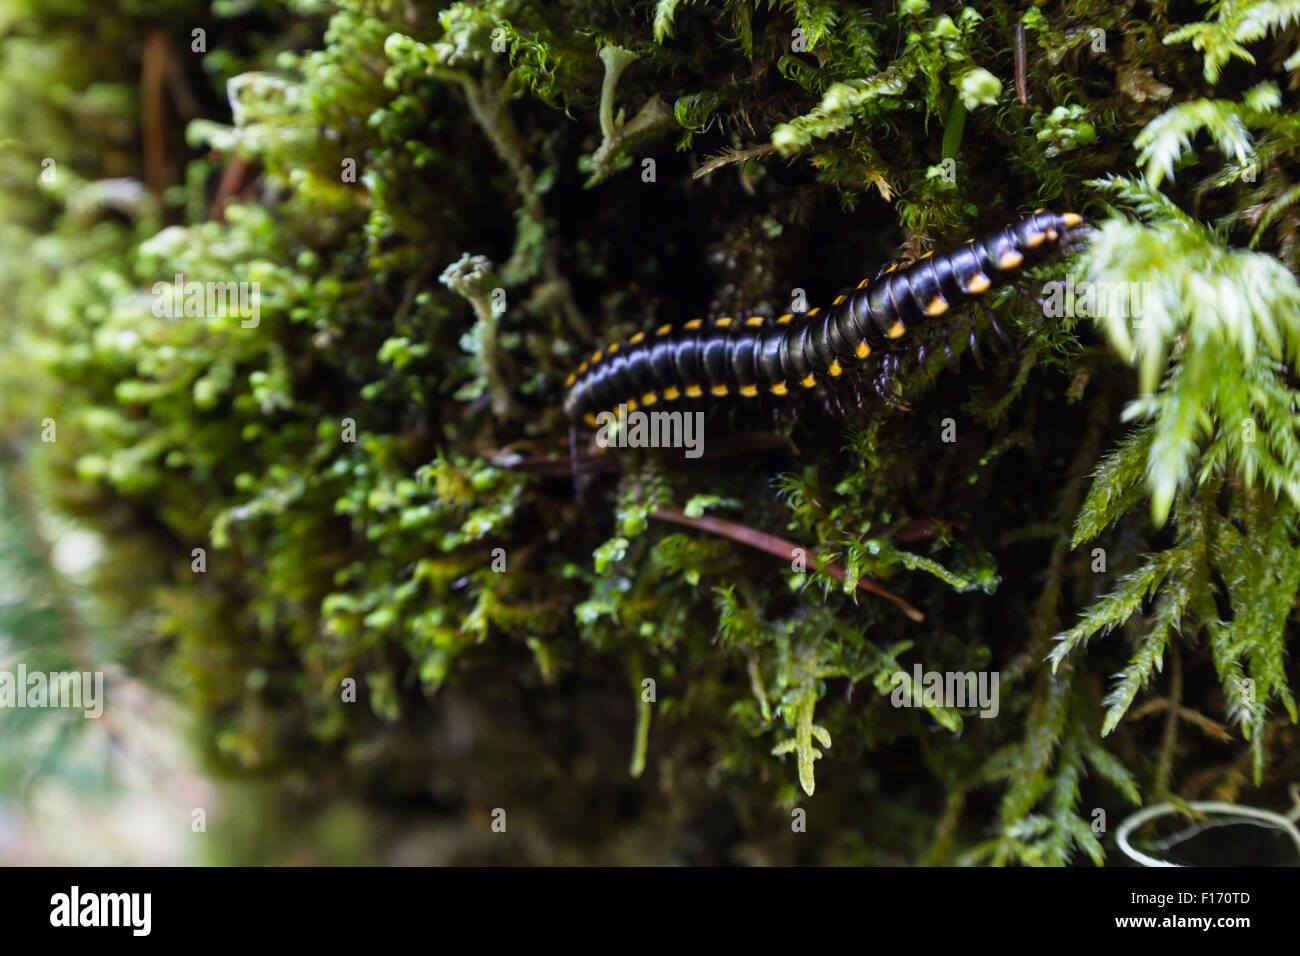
(1038, 300)
(974, 342)
(861, 418)
(988, 314)
(886, 384)
(843, 408)
(948, 351)
(1076, 238)
(833, 405)
(893, 265)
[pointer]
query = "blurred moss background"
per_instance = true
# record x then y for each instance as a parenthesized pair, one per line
(254, 516)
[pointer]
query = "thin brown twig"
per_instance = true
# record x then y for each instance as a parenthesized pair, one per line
(153, 76)
(724, 446)
(1158, 705)
(233, 179)
(1022, 66)
(780, 547)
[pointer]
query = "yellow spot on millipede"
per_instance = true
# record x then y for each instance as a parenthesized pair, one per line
(718, 389)
(694, 391)
(977, 284)
(785, 319)
(649, 398)
(596, 357)
(755, 321)
(863, 349)
(938, 306)
(723, 322)
(864, 283)
(568, 382)
(1071, 218)
(663, 330)
(896, 330)
(1052, 234)
(671, 393)
(1010, 259)
(808, 382)
(590, 419)
(892, 267)
(813, 312)
(1035, 239)
(928, 254)
(636, 339)
(613, 348)
(835, 369)
(839, 300)
(632, 405)
(780, 389)
(582, 369)
(749, 391)
(693, 324)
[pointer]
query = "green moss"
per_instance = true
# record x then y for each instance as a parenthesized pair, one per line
(341, 460)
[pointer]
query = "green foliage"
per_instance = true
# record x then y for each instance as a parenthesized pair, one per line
(1233, 318)
(1260, 566)
(936, 55)
(1046, 768)
(1167, 139)
(350, 462)
(1235, 24)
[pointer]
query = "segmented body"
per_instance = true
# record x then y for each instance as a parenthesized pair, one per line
(759, 355)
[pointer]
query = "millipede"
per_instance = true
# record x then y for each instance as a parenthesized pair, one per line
(759, 355)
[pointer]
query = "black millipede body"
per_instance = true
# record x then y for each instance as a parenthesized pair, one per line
(757, 355)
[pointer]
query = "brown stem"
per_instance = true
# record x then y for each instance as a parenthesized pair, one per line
(724, 446)
(233, 179)
(1022, 69)
(153, 76)
(762, 541)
